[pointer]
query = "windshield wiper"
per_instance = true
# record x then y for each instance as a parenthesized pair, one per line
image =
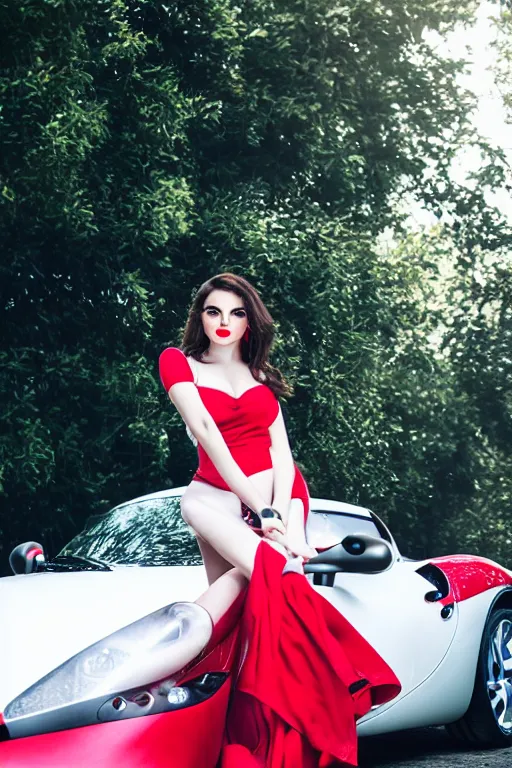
(67, 561)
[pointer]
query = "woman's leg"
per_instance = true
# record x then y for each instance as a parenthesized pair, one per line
(215, 515)
(295, 530)
(222, 594)
(226, 540)
(215, 565)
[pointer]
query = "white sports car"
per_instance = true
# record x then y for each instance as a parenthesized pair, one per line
(105, 656)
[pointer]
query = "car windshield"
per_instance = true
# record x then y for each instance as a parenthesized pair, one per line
(152, 532)
(149, 532)
(324, 528)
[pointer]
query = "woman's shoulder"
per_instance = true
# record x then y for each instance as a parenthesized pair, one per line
(175, 355)
(172, 352)
(264, 382)
(174, 367)
(262, 377)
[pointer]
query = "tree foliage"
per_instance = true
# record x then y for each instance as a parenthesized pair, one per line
(149, 145)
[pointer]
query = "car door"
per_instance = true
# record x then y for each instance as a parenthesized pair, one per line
(393, 610)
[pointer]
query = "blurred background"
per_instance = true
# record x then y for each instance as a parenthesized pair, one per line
(351, 159)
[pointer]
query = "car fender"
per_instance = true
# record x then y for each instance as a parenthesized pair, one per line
(470, 575)
(445, 695)
(390, 611)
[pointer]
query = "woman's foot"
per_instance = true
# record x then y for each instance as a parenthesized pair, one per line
(298, 546)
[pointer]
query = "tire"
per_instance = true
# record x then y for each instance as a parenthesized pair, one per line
(488, 720)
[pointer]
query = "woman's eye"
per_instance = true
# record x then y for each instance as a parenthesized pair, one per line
(240, 313)
(211, 312)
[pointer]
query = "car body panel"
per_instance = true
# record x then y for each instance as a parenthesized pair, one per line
(187, 738)
(395, 599)
(470, 575)
(434, 657)
(78, 609)
(444, 695)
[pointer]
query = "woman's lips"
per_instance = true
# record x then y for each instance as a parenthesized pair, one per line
(223, 332)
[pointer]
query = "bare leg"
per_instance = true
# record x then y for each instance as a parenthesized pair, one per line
(295, 533)
(215, 516)
(215, 565)
(224, 539)
(219, 596)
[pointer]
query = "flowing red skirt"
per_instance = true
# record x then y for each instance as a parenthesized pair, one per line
(306, 676)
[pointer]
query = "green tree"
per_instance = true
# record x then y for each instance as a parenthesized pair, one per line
(148, 145)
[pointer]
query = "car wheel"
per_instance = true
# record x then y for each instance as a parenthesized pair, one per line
(488, 720)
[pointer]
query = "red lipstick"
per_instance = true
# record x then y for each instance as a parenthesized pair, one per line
(223, 332)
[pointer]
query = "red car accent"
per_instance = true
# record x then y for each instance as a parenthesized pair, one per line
(33, 553)
(469, 575)
(222, 658)
(186, 738)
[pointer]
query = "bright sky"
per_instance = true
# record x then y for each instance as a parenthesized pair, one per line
(474, 45)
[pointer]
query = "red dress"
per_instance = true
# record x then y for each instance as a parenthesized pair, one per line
(305, 674)
(243, 422)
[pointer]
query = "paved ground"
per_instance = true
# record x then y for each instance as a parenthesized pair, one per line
(426, 748)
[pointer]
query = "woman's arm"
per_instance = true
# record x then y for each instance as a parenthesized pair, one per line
(186, 398)
(284, 468)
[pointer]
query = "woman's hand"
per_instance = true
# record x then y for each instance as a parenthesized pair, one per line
(295, 545)
(273, 527)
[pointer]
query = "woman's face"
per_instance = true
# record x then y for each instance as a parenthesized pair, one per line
(224, 317)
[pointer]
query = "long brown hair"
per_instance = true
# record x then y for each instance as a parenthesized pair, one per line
(255, 351)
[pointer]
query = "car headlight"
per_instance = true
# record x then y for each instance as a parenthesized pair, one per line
(152, 649)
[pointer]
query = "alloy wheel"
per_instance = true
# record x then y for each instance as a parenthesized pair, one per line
(499, 680)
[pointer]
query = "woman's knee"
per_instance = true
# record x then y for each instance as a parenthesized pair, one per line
(193, 509)
(188, 509)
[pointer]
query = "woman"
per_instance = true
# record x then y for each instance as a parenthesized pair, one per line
(225, 391)
(293, 704)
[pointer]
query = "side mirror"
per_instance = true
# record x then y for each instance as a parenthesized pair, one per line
(27, 557)
(355, 554)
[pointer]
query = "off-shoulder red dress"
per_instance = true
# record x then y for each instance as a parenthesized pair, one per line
(243, 421)
(305, 674)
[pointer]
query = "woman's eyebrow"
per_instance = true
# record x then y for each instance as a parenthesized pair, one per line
(212, 306)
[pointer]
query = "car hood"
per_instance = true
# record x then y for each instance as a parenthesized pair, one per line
(48, 617)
